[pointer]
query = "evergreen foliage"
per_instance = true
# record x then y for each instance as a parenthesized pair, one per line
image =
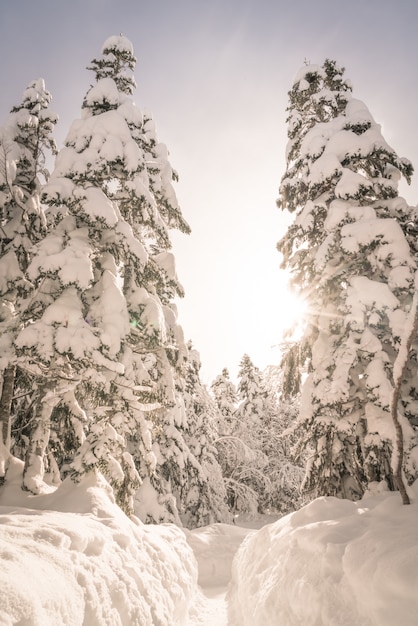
(348, 253)
(286, 457)
(225, 395)
(25, 140)
(97, 342)
(95, 372)
(255, 451)
(205, 499)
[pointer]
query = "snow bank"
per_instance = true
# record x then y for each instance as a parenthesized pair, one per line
(72, 557)
(332, 563)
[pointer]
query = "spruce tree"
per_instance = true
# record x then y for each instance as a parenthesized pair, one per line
(348, 253)
(252, 394)
(261, 423)
(285, 459)
(99, 318)
(204, 496)
(25, 140)
(233, 453)
(241, 451)
(104, 330)
(225, 395)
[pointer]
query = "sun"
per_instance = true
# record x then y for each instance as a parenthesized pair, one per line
(292, 312)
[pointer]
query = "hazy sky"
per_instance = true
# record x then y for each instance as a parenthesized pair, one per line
(215, 76)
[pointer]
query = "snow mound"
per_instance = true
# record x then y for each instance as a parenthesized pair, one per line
(332, 563)
(72, 557)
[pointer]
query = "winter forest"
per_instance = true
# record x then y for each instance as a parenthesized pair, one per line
(131, 490)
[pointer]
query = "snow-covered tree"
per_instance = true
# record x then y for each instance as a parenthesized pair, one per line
(225, 395)
(148, 204)
(252, 394)
(104, 326)
(262, 423)
(204, 495)
(78, 318)
(349, 256)
(25, 140)
(234, 455)
(285, 458)
(240, 441)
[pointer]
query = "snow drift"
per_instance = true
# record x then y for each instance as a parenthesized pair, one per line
(72, 557)
(332, 563)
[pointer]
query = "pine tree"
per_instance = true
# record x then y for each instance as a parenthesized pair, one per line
(204, 498)
(241, 451)
(262, 422)
(286, 461)
(252, 394)
(104, 323)
(349, 256)
(25, 140)
(148, 203)
(225, 395)
(233, 453)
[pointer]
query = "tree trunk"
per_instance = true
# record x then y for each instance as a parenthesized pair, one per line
(400, 366)
(399, 445)
(5, 417)
(34, 470)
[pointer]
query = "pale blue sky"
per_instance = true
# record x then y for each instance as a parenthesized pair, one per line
(215, 75)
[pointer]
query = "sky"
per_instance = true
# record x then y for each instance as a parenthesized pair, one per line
(215, 76)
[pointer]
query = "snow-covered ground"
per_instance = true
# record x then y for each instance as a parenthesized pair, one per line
(72, 558)
(332, 563)
(214, 548)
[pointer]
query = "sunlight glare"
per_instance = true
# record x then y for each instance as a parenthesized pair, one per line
(292, 312)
